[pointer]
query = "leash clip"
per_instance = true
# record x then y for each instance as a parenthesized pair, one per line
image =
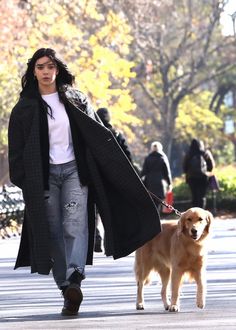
(170, 207)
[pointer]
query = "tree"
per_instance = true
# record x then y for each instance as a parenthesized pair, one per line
(196, 120)
(95, 46)
(177, 44)
(11, 26)
(12, 18)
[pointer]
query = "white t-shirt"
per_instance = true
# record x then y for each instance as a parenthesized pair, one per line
(60, 141)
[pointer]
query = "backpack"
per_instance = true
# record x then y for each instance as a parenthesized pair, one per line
(197, 166)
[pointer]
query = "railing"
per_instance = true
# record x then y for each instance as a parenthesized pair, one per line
(11, 212)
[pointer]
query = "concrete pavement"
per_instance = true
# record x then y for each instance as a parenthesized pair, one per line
(30, 301)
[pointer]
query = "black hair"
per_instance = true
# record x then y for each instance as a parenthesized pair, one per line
(196, 147)
(30, 84)
(102, 113)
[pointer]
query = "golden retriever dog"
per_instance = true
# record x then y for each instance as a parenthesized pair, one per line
(180, 249)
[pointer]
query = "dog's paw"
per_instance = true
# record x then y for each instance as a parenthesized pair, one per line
(166, 306)
(173, 308)
(200, 301)
(200, 304)
(140, 307)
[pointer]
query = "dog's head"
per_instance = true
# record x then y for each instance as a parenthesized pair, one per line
(195, 223)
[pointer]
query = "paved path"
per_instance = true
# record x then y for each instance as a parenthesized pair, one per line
(30, 301)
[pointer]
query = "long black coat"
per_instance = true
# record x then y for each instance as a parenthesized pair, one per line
(127, 211)
(156, 171)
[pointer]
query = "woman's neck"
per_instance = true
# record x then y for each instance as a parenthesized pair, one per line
(45, 90)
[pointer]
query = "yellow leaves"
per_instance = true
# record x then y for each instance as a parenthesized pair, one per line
(89, 8)
(119, 26)
(96, 73)
(94, 84)
(3, 136)
(196, 120)
(115, 33)
(93, 40)
(122, 114)
(65, 30)
(94, 45)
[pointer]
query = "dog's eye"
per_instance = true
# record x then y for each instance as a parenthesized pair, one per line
(200, 219)
(189, 219)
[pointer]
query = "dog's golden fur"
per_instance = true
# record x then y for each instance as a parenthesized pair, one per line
(178, 250)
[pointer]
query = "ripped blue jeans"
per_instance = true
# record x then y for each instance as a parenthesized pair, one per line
(66, 210)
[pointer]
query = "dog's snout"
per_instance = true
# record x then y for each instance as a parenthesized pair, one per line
(194, 231)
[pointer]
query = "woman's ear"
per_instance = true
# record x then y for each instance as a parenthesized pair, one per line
(180, 225)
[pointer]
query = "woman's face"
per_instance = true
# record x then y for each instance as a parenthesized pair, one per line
(45, 72)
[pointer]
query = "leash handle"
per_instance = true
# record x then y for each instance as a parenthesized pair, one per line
(170, 207)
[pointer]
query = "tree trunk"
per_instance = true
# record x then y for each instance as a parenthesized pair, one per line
(169, 121)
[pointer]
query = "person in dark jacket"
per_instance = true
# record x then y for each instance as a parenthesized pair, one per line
(156, 172)
(65, 162)
(197, 164)
(105, 117)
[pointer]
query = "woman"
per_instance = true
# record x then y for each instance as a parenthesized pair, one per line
(156, 172)
(196, 165)
(65, 161)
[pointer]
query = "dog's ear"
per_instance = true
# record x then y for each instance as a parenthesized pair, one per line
(209, 219)
(181, 222)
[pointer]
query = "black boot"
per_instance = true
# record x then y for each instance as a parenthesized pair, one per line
(73, 295)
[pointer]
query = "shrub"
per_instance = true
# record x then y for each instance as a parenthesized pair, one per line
(227, 181)
(181, 189)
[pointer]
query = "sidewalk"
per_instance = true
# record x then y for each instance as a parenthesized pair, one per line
(30, 301)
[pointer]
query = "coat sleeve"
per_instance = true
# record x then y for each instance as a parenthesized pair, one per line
(15, 149)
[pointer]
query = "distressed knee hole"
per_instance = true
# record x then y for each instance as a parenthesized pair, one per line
(71, 206)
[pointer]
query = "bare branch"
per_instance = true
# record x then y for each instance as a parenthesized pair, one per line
(148, 93)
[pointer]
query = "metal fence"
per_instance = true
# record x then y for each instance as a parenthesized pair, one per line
(11, 211)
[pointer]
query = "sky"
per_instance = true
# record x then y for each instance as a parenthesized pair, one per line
(226, 19)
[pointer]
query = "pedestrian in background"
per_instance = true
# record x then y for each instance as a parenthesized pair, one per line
(197, 164)
(105, 117)
(65, 162)
(156, 172)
